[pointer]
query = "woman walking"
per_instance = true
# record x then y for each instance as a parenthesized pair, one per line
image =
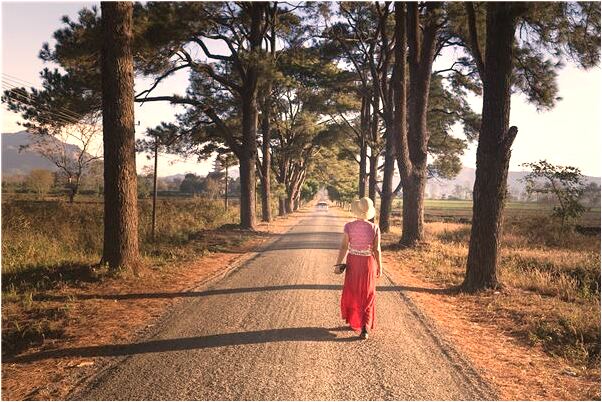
(361, 244)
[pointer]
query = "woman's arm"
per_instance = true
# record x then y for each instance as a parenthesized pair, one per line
(377, 253)
(343, 249)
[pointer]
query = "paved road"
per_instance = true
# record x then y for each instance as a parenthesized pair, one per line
(271, 330)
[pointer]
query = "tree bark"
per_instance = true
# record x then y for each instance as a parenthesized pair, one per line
(365, 132)
(281, 207)
(413, 210)
(386, 194)
(249, 123)
(400, 114)
(120, 248)
(373, 177)
(421, 53)
(374, 152)
(494, 149)
(266, 208)
(247, 162)
(289, 204)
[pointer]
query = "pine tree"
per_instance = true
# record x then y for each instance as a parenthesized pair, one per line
(554, 31)
(120, 247)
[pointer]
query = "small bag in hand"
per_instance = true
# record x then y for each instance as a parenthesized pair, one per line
(339, 268)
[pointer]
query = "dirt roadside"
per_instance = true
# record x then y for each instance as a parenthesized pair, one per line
(517, 370)
(99, 314)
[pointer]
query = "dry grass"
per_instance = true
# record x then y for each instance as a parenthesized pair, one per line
(551, 278)
(43, 234)
(49, 245)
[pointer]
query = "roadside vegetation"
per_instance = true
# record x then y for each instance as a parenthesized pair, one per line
(47, 245)
(551, 279)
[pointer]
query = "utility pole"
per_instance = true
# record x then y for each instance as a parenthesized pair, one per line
(226, 189)
(155, 188)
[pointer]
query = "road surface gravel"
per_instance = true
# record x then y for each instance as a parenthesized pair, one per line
(272, 330)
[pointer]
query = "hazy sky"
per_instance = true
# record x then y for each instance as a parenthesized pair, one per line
(568, 135)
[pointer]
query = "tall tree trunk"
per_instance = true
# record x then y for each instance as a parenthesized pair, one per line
(362, 174)
(120, 247)
(226, 189)
(386, 196)
(374, 151)
(421, 45)
(249, 123)
(154, 219)
(266, 208)
(247, 162)
(400, 110)
(281, 207)
(413, 210)
(289, 203)
(365, 132)
(373, 176)
(493, 151)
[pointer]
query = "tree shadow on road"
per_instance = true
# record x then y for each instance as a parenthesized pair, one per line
(311, 240)
(302, 334)
(228, 291)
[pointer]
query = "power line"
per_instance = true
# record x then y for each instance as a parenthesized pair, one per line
(68, 113)
(65, 112)
(15, 82)
(19, 79)
(13, 93)
(17, 97)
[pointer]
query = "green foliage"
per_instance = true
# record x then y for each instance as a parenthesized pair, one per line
(192, 184)
(548, 35)
(338, 176)
(309, 189)
(564, 182)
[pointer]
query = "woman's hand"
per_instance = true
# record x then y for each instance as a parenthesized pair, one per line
(379, 271)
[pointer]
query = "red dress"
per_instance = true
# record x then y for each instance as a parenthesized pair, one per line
(359, 289)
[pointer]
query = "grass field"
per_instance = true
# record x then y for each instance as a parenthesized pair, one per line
(551, 277)
(461, 211)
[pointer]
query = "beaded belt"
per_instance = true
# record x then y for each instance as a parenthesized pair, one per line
(366, 253)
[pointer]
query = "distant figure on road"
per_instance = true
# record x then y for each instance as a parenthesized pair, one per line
(361, 244)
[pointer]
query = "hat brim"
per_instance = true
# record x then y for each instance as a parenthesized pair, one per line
(369, 214)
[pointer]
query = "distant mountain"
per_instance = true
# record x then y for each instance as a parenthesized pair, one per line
(21, 163)
(173, 177)
(439, 188)
(15, 162)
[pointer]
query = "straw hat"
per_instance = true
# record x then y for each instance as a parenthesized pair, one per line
(363, 208)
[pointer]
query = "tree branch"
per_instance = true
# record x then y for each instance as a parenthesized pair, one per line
(474, 39)
(159, 79)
